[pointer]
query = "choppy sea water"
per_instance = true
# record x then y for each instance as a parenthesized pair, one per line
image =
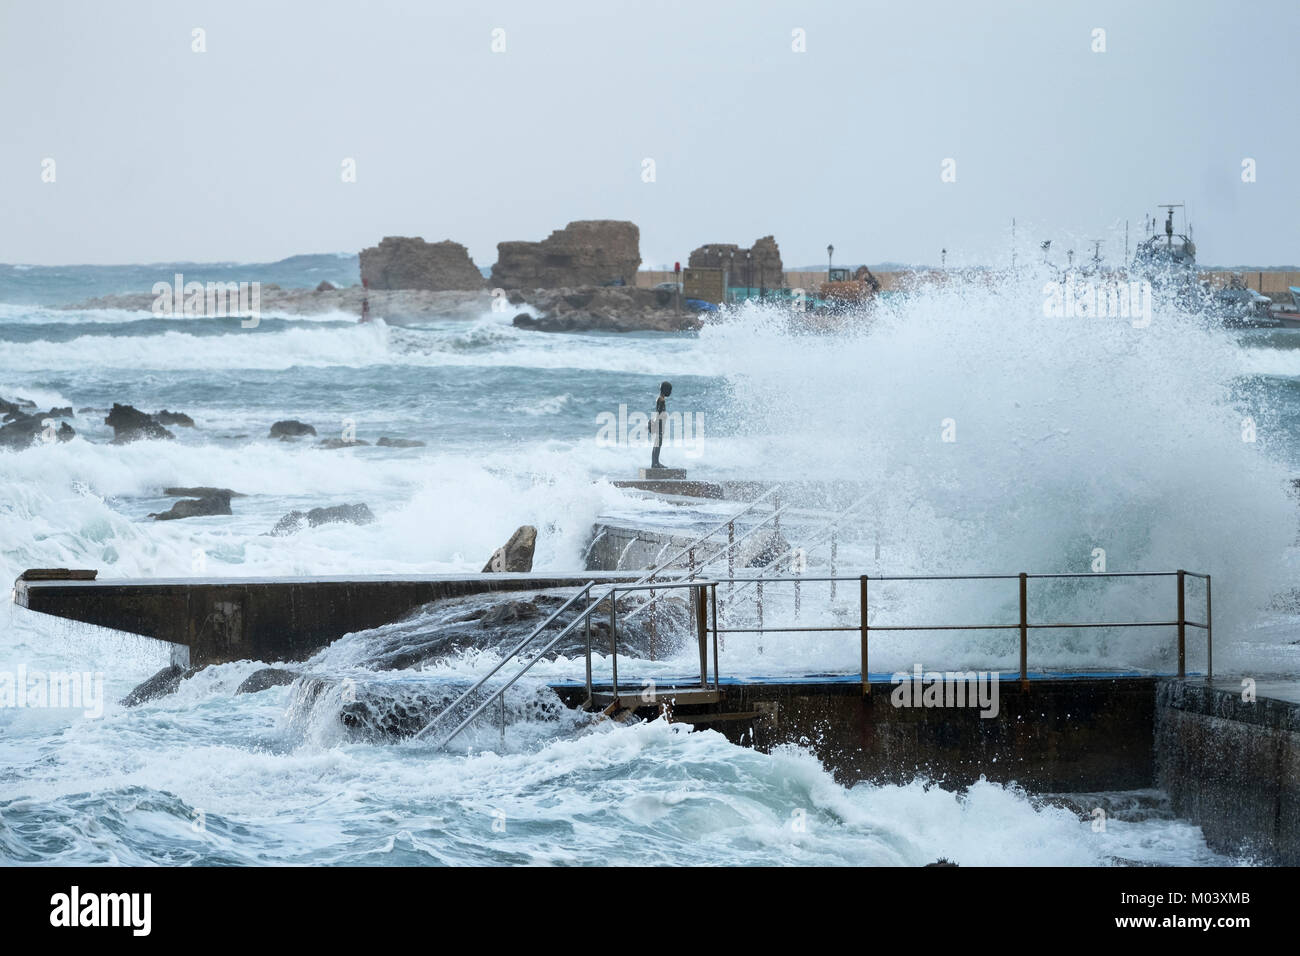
(1071, 435)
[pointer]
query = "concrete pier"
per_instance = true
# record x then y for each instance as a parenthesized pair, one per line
(216, 620)
(1059, 734)
(1230, 766)
(618, 547)
(1229, 761)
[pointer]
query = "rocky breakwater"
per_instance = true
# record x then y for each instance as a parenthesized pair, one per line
(605, 309)
(391, 305)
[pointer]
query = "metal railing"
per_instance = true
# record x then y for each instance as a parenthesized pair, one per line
(730, 526)
(585, 591)
(708, 628)
(699, 610)
(703, 604)
(828, 531)
(692, 568)
(1023, 625)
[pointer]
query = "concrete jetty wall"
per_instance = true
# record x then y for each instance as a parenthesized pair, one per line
(1057, 735)
(1232, 765)
(622, 548)
(216, 620)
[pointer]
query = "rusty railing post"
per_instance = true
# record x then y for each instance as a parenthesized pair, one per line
(835, 547)
(702, 630)
(798, 595)
(1209, 632)
(716, 683)
(862, 613)
(731, 554)
(587, 627)
(1024, 630)
(1182, 626)
(613, 638)
(654, 628)
(758, 592)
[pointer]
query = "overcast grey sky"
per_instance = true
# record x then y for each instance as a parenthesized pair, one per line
(163, 154)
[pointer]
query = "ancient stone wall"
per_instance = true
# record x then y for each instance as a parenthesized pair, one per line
(587, 252)
(758, 266)
(399, 262)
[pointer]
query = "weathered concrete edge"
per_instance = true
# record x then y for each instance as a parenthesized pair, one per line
(217, 620)
(1058, 736)
(1232, 767)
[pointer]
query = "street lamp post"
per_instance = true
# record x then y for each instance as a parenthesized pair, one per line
(830, 255)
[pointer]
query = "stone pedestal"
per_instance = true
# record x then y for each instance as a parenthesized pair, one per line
(676, 473)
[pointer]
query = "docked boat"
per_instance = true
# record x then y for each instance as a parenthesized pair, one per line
(1287, 315)
(1168, 262)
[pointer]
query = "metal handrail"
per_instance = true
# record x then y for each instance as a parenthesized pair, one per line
(586, 589)
(727, 551)
(705, 588)
(663, 565)
(732, 544)
(816, 539)
(698, 585)
(582, 617)
(1024, 626)
(500, 691)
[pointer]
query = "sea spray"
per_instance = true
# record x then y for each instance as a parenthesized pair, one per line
(992, 438)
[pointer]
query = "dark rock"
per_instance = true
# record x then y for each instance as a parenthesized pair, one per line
(265, 679)
(174, 418)
(350, 514)
(131, 424)
(290, 428)
(26, 430)
(943, 861)
(218, 504)
(165, 682)
(617, 309)
(63, 411)
(340, 443)
(509, 612)
(201, 491)
(89, 410)
(517, 553)
(21, 431)
(399, 442)
(326, 286)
